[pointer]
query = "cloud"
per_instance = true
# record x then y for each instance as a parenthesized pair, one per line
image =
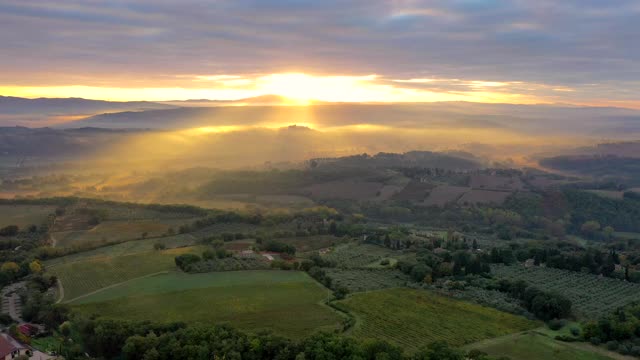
(562, 44)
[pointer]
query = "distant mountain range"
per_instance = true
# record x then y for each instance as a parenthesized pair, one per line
(535, 120)
(40, 112)
(10, 105)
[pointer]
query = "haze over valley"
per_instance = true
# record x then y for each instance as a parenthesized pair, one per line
(319, 180)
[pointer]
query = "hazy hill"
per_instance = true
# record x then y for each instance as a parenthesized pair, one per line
(16, 111)
(529, 119)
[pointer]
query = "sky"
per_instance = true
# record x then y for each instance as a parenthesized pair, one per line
(582, 52)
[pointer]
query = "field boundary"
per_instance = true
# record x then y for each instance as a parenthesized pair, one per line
(576, 345)
(60, 291)
(114, 285)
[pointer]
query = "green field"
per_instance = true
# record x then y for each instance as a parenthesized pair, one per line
(126, 248)
(414, 318)
(24, 215)
(591, 296)
(287, 302)
(81, 277)
(353, 256)
(356, 280)
(532, 345)
(112, 231)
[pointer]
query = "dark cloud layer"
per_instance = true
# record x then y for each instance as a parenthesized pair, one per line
(587, 45)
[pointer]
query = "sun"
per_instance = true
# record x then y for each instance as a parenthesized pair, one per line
(299, 88)
(303, 89)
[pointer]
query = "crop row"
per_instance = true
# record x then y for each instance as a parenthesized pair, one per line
(592, 296)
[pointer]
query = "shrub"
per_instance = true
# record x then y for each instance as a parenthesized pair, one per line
(184, 261)
(613, 345)
(575, 331)
(555, 324)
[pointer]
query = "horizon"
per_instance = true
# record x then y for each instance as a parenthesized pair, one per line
(402, 51)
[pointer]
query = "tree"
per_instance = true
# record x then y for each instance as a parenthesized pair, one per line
(11, 230)
(439, 350)
(65, 329)
(419, 272)
(184, 261)
(10, 268)
(35, 267)
(333, 228)
(608, 232)
(590, 228)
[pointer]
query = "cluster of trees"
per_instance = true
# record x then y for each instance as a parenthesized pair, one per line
(11, 271)
(430, 266)
(563, 255)
(620, 331)
(537, 215)
(111, 339)
(11, 230)
(278, 246)
(317, 214)
(544, 305)
(184, 261)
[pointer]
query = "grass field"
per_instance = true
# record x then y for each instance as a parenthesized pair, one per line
(111, 231)
(24, 215)
(126, 248)
(287, 302)
(415, 318)
(84, 276)
(532, 345)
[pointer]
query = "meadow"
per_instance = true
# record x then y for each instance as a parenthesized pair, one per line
(531, 345)
(591, 296)
(24, 215)
(286, 302)
(82, 277)
(113, 231)
(414, 318)
(126, 248)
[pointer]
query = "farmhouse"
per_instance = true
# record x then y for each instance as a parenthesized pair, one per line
(10, 348)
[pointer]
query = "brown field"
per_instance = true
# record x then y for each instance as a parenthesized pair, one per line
(494, 182)
(544, 182)
(239, 245)
(445, 194)
(24, 215)
(285, 200)
(388, 191)
(415, 191)
(612, 194)
(484, 197)
(310, 243)
(346, 189)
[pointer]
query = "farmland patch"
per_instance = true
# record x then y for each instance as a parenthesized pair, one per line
(414, 318)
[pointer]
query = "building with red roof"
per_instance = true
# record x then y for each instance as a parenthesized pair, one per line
(11, 348)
